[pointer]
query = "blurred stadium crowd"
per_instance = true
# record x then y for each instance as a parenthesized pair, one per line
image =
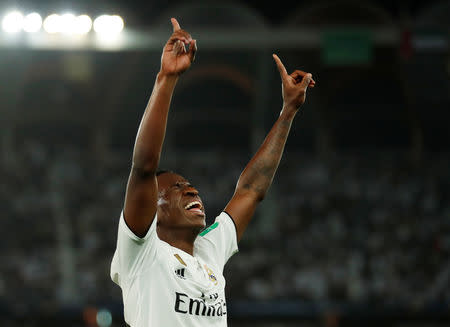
(356, 228)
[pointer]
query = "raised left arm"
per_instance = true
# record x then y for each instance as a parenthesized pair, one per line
(257, 176)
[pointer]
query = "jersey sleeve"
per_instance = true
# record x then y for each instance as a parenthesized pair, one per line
(128, 259)
(220, 239)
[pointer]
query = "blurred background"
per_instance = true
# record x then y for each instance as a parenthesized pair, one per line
(355, 230)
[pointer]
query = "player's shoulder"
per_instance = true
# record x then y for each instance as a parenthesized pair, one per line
(223, 223)
(209, 228)
(218, 222)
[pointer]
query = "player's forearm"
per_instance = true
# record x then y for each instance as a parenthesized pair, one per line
(152, 129)
(259, 172)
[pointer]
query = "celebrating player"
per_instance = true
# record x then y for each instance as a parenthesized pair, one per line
(168, 265)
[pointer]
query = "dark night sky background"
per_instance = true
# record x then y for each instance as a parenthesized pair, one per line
(138, 12)
(273, 11)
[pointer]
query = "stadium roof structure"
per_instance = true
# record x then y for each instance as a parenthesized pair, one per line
(234, 64)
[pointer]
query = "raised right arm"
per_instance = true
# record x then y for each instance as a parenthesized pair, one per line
(142, 189)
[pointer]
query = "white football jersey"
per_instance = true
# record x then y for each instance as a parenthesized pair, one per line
(165, 286)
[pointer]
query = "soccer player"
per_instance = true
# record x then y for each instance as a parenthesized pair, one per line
(168, 265)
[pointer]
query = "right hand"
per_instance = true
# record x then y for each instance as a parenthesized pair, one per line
(175, 58)
(294, 86)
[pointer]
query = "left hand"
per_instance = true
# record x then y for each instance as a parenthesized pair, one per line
(294, 86)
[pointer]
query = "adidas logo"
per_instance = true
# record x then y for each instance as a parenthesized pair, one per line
(180, 273)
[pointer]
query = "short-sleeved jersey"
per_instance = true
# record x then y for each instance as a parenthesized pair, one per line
(165, 286)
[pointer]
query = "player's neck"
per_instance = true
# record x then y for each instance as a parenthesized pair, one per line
(181, 239)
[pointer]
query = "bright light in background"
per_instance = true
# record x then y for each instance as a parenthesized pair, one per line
(52, 24)
(32, 23)
(67, 23)
(12, 22)
(104, 318)
(82, 24)
(107, 26)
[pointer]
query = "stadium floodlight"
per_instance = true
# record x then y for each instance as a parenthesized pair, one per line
(82, 24)
(67, 23)
(32, 23)
(107, 26)
(13, 22)
(52, 24)
(117, 23)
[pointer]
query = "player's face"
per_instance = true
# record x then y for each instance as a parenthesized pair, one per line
(179, 203)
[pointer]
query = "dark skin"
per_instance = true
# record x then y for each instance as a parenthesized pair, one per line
(177, 225)
(168, 194)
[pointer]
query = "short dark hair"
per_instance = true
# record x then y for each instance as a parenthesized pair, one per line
(164, 171)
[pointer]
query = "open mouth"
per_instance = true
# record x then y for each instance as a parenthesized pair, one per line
(194, 206)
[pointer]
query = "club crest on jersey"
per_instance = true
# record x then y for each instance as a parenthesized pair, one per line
(211, 275)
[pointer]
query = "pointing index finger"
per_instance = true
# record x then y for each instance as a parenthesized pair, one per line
(175, 24)
(280, 66)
